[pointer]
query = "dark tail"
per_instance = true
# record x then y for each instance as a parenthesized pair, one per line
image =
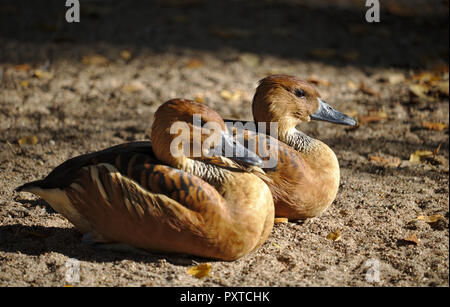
(27, 186)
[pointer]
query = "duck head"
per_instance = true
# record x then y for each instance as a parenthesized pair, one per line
(291, 101)
(183, 129)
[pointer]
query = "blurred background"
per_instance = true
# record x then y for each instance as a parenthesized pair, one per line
(70, 88)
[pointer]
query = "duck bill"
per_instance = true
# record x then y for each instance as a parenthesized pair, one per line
(328, 114)
(235, 151)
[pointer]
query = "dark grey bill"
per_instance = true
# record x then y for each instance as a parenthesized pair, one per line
(328, 114)
(234, 150)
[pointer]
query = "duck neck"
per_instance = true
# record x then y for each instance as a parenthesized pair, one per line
(212, 174)
(298, 140)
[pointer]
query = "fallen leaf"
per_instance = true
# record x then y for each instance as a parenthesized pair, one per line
(429, 219)
(412, 239)
(443, 88)
(193, 64)
(95, 59)
(125, 54)
(279, 220)
(200, 98)
(249, 59)
(334, 236)
(372, 117)
(22, 67)
(24, 83)
(200, 271)
(28, 140)
(41, 74)
(352, 85)
(420, 91)
(393, 161)
(434, 126)
(133, 87)
(396, 78)
(323, 53)
(233, 96)
(317, 81)
(367, 90)
(420, 155)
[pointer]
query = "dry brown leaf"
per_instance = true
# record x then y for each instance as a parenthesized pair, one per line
(420, 155)
(22, 67)
(323, 53)
(352, 85)
(200, 271)
(41, 74)
(317, 81)
(95, 59)
(334, 236)
(396, 78)
(279, 220)
(434, 126)
(443, 87)
(430, 219)
(193, 64)
(393, 161)
(233, 96)
(200, 98)
(420, 90)
(125, 54)
(133, 87)
(412, 239)
(367, 90)
(372, 117)
(249, 59)
(28, 140)
(24, 83)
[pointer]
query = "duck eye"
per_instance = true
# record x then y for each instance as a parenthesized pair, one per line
(300, 93)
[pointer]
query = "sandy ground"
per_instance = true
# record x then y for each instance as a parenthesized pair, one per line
(54, 89)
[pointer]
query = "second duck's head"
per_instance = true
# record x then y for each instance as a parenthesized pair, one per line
(184, 129)
(291, 101)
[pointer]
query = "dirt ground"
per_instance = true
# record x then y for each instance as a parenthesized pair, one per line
(76, 88)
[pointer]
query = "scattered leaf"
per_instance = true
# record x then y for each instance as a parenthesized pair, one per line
(200, 98)
(95, 59)
(279, 220)
(372, 117)
(41, 74)
(396, 78)
(317, 81)
(28, 140)
(24, 83)
(22, 67)
(200, 271)
(125, 54)
(352, 85)
(420, 91)
(429, 219)
(334, 236)
(249, 59)
(367, 90)
(193, 64)
(133, 87)
(412, 239)
(420, 156)
(392, 161)
(233, 96)
(443, 88)
(434, 126)
(322, 53)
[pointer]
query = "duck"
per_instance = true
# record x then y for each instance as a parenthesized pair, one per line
(147, 195)
(305, 180)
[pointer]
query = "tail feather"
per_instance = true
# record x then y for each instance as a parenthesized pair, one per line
(29, 186)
